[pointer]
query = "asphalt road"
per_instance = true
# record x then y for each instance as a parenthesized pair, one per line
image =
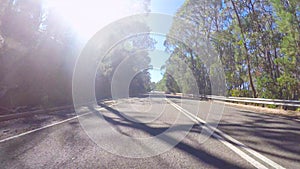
(157, 132)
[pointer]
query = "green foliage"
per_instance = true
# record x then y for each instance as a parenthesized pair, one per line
(132, 54)
(272, 106)
(239, 93)
(161, 85)
(38, 51)
(258, 43)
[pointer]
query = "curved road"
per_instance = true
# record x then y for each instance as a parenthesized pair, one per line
(240, 139)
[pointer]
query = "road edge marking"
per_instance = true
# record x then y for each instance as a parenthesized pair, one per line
(51, 125)
(42, 128)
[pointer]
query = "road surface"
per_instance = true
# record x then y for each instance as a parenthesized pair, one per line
(229, 139)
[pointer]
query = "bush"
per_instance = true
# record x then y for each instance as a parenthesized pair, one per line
(239, 93)
(271, 106)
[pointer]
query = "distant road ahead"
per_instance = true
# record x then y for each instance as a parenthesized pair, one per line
(242, 139)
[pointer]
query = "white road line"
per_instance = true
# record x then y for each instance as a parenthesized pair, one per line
(42, 128)
(229, 145)
(47, 126)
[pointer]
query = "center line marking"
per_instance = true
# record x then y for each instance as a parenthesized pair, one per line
(222, 135)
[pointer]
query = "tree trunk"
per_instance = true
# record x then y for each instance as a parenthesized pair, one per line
(246, 48)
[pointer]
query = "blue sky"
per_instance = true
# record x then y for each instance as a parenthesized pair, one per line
(158, 57)
(165, 6)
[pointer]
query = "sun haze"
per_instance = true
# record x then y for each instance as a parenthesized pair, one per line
(88, 16)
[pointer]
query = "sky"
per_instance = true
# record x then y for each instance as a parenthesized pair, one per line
(88, 17)
(165, 6)
(159, 57)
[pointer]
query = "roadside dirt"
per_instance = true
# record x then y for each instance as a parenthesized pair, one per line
(281, 112)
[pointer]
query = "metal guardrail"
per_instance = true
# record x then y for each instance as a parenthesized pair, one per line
(277, 102)
(262, 101)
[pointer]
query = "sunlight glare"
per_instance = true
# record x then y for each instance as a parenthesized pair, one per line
(89, 16)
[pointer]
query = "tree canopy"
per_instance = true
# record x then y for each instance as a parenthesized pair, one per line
(38, 51)
(256, 41)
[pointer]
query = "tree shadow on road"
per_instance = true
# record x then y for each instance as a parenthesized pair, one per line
(276, 136)
(197, 153)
